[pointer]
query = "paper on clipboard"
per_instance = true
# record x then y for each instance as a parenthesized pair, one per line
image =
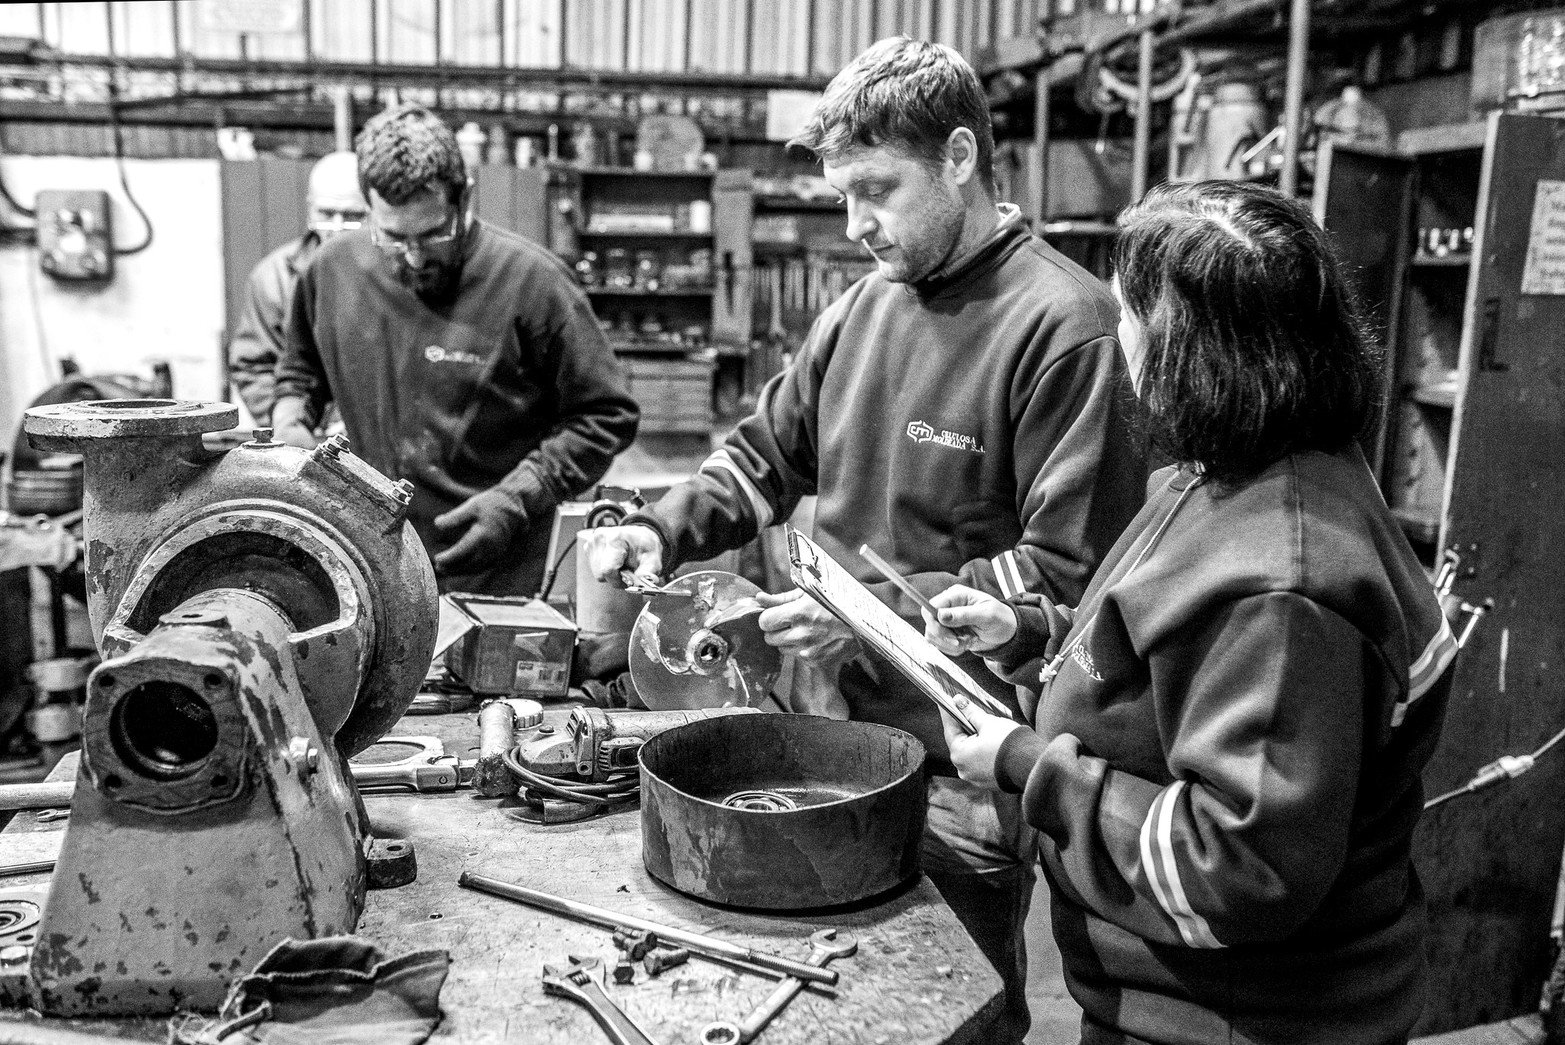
(937, 675)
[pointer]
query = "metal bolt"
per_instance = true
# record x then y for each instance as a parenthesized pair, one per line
(262, 435)
(304, 756)
(635, 942)
(661, 958)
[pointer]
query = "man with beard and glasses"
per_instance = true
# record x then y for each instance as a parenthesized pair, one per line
(462, 357)
(962, 410)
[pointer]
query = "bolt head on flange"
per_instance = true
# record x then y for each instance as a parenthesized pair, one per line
(304, 756)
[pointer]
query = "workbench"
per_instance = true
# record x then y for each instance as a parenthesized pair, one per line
(917, 976)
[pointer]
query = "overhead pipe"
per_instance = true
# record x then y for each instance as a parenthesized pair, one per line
(1040, 139)
(1221, 16)
(1141, 155)
(1293, 98)
(342, 116)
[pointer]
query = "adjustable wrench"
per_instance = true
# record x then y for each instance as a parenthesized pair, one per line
(827, 946)
(582, 981)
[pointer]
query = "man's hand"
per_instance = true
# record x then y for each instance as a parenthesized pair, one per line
(797, 624)
(610, 550)
(288, 424)
(975, 754)
(986, 622)
(487, 522)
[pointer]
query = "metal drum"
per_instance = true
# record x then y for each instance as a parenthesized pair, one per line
(782, 812)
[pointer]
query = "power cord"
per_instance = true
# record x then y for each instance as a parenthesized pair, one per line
(619, 788)
(1506, 767)
(548, 578)
(10, 201)
(119, 161)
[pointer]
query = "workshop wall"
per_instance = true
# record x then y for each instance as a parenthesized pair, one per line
(788, 37)
(164, 303)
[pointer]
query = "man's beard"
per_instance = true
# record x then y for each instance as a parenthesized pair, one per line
(433, 281)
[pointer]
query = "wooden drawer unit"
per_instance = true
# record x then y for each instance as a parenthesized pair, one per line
(675, 393)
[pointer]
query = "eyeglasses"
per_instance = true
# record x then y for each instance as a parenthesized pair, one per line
(425, 243)
(329, 223)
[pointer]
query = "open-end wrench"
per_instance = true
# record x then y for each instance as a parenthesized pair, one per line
(582, 981)
(827, 944)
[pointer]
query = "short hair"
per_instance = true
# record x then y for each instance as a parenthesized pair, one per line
(1254, 346)
(406, 150)
(906, 94)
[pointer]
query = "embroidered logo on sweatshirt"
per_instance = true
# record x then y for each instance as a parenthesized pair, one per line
(1083, 660)
(436, 354)
(920, 432)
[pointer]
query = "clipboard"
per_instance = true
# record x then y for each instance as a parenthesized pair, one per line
(824, 579)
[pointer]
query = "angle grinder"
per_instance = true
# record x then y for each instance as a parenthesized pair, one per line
(588, 767)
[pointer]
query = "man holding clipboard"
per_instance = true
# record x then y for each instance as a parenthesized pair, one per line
(962, 410)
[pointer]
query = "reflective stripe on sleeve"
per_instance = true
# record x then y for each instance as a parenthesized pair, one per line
(722, 461)
(1157, 856)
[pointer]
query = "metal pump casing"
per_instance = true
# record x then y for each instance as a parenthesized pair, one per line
(263, 613)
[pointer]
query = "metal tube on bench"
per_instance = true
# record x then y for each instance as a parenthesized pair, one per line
(49, 794)
(612, 919)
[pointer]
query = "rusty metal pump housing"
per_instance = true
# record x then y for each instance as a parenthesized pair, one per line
(263, 613)
(319, 534)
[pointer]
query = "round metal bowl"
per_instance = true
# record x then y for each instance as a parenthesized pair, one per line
(782, 812)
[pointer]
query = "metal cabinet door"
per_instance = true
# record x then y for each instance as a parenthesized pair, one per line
(1490, 861)
(265, 204)
(1363, 199)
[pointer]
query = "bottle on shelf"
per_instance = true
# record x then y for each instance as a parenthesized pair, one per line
(588, 273)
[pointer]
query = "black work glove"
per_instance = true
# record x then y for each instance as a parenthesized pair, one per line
(488, 522)
(289, 425)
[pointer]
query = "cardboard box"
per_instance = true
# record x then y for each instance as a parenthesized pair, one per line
(507, 645)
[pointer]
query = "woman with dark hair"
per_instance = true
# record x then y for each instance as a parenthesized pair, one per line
(1225, 763)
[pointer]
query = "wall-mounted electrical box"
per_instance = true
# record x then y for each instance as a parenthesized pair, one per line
(75, 239)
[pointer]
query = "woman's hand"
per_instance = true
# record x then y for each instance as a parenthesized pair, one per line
(969, 621)
(975, 754)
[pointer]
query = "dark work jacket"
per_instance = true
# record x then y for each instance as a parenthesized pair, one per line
(262, 330)
(509, 384)
(1226, 765)
(971, 428)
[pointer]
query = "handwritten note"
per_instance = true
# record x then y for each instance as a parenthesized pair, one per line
(1545, 270)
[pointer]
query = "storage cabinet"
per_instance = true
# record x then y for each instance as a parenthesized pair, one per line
(1404, 227)
(803, 261)
(1473, 463)
(659, 255)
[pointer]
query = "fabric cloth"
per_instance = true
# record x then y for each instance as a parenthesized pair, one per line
(509, 385)
(262, 333)
(337, 990)
(1226, 766)
(975, 427)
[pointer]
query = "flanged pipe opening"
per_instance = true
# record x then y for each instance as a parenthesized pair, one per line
(163, 730)
(137, 404)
